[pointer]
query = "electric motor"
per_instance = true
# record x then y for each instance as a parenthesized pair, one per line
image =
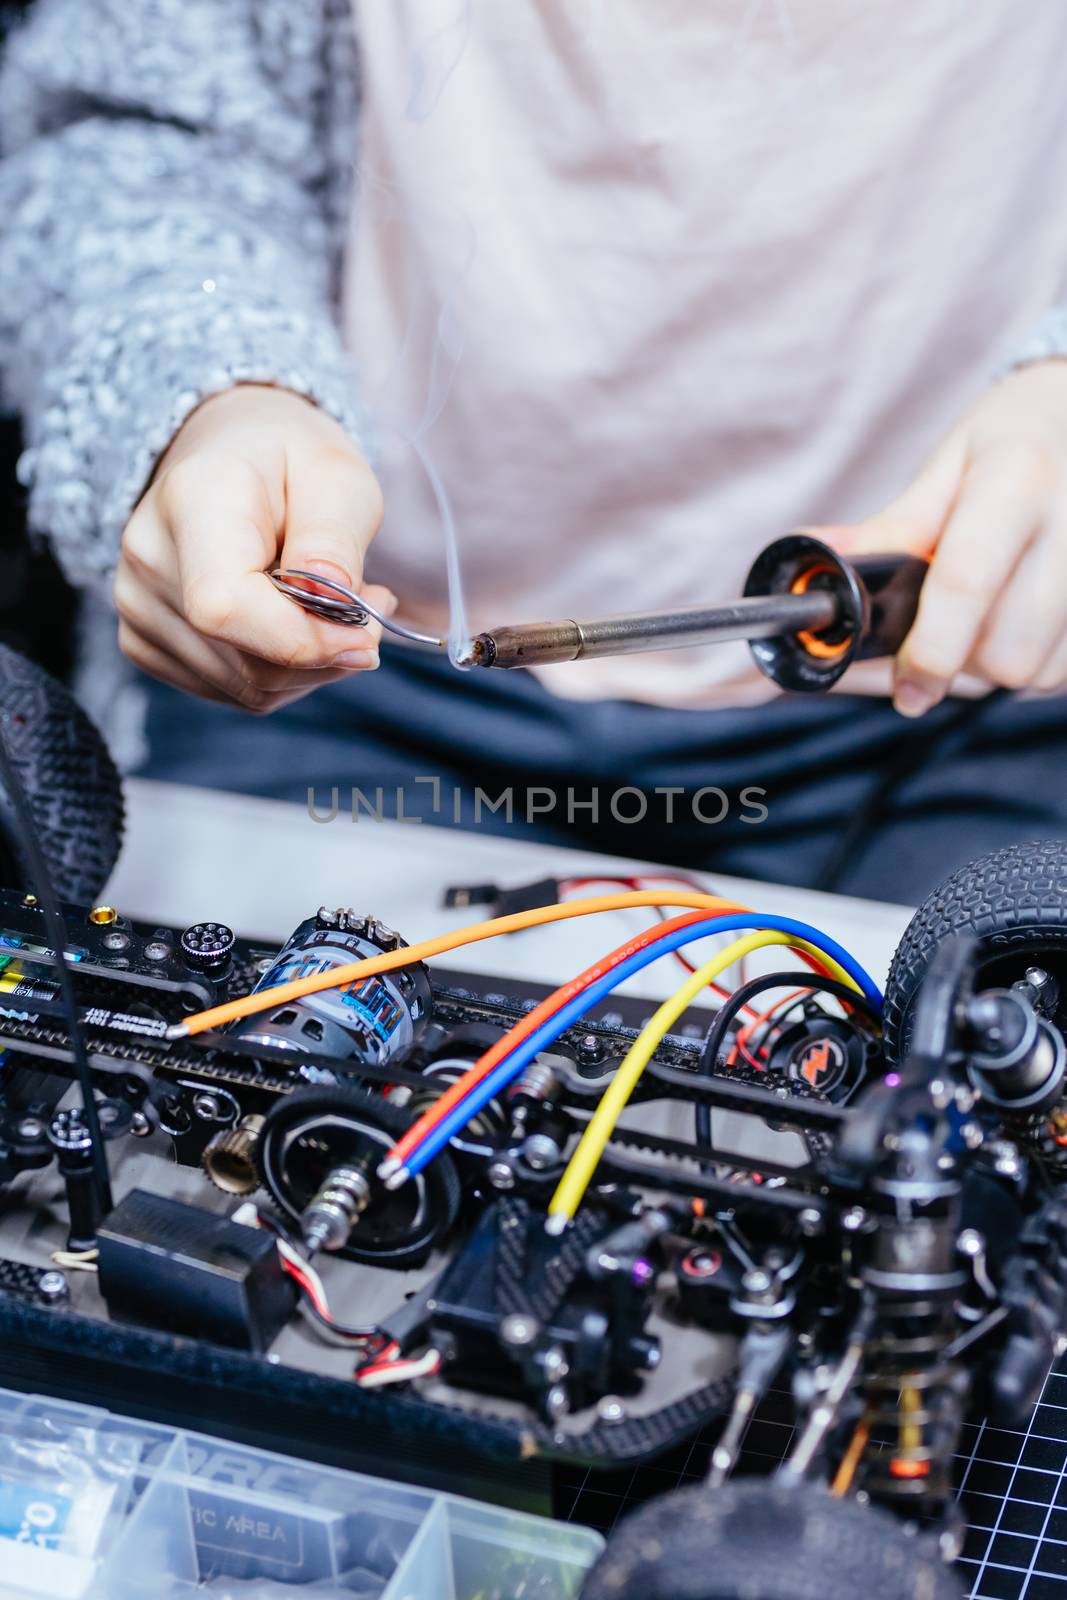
(372, 1020)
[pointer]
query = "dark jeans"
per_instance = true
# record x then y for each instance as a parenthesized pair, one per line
(855, 798)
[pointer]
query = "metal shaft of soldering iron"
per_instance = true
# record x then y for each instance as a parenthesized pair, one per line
(528, 644)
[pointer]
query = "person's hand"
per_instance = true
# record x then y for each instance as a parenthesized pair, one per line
(256, 477)
(990, 509)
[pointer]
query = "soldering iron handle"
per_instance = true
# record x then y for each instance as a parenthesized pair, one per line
(877, 599)
(893, 584)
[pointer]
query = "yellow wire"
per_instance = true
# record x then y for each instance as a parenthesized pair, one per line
(591, 1146)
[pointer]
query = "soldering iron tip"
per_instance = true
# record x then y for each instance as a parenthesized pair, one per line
(477, 652)
(177, 1030)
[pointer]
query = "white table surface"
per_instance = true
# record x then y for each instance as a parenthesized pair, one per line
(263, 866)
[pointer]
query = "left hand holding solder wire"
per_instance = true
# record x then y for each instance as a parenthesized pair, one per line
(989, 509)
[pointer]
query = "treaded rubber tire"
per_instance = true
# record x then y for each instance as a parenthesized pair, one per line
(755, 1539)
(73, 788)
(440, 1179)
(1014, 900)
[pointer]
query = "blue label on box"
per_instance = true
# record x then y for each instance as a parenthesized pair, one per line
(31, 1514)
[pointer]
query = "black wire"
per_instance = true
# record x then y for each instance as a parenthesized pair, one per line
(774, 1021)
(728, 1011)
(57, 934)
(342, 1329)
(916, 748)
(274, 1224)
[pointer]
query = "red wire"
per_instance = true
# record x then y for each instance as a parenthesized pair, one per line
(745, 1053)
(568, 884)
(744, 1034)
(305, 1283)
(387, 1357)
(781, 1005)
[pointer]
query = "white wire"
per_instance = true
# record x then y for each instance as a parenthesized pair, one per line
(247, 1215)
(402, 1371)
(76, 1260)
(304, 1266)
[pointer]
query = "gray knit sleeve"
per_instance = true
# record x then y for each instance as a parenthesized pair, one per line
(172, 223)
(1043, 342)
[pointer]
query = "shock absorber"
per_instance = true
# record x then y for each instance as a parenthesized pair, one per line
(912, 1269)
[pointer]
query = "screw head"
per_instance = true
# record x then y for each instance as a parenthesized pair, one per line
(207, 1107)
(949, 1543)
(611, 1409)
(810, 1222)
(554, 1364)
(557, 1403)
(140, 1126)
(156, 950)
(701, 1263)
(519, 1331)
(1006, 1158)
(30, 1128)
(853, 1219)
(501, 1175)
(540, 1151)
(52, 1286)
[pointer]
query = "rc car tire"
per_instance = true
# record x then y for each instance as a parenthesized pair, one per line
(755, 1539)
(73, 788)
(1014, 900)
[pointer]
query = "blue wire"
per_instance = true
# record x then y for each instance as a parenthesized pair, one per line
(550, 1030)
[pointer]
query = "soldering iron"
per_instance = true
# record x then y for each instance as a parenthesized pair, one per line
(806, 612)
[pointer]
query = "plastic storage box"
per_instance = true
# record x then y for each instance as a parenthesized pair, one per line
(95, 1506)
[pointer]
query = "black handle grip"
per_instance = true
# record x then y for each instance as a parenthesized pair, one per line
(893, 585)
(878, 596)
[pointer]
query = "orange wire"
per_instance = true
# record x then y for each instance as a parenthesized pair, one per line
(851, 1459)
(357, 971)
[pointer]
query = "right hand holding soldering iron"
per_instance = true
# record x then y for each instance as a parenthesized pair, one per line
(989, 510)
(253, 476)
